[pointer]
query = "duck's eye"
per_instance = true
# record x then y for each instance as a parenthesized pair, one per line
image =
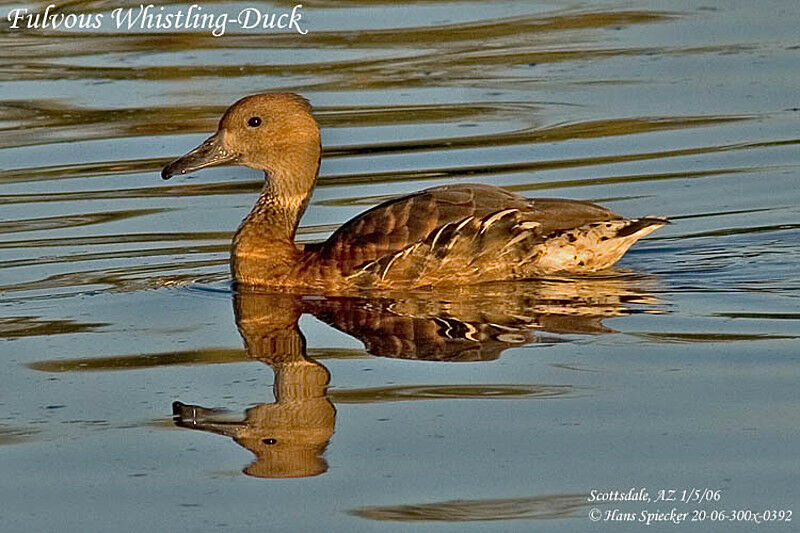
(254, 122)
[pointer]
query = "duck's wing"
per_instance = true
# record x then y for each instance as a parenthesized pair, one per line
(396, 224)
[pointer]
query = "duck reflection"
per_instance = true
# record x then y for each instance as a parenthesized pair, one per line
(288, 437)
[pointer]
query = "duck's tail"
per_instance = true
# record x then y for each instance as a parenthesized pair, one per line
(639, 224)
(592, 247)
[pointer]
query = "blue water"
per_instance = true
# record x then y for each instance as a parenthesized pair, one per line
(678, 372)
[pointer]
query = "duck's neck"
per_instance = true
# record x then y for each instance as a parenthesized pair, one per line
(264, 251)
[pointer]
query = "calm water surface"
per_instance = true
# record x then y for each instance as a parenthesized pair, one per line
(140, 393)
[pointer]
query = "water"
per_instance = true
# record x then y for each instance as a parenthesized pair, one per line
(129, 402)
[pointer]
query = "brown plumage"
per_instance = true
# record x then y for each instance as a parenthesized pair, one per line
(454, 234)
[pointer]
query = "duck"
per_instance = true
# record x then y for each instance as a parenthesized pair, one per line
(457, 234)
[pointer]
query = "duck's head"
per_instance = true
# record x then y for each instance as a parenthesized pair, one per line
(273, 132)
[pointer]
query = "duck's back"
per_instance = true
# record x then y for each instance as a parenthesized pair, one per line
(468, 233)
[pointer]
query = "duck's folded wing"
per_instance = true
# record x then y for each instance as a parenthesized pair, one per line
(399, 223)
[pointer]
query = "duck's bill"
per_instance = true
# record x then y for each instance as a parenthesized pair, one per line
(209, 154)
